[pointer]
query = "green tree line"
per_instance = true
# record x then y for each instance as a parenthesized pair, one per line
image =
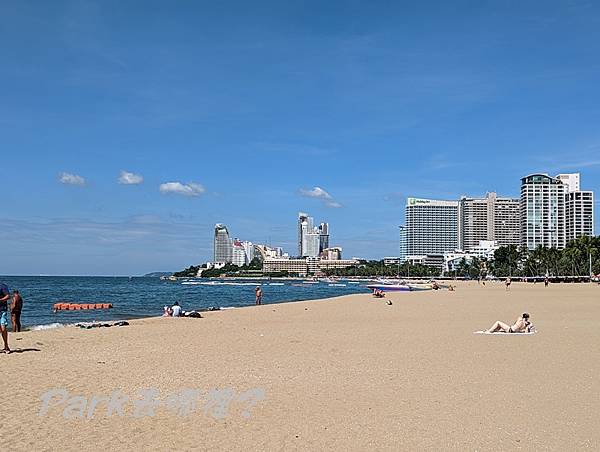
(573, 260)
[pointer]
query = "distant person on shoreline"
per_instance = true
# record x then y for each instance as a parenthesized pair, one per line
(258, 292)
(546, 281)
(520, 326)
(15, 311)
(507, 282)
(176, 310)
(4, 297)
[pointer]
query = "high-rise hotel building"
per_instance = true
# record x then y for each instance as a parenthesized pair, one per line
(431, 227)
(491, 218)
(554, 210)
(223, 245)
(436, 227)
(579, 208)
(543, 212)
(311, 240)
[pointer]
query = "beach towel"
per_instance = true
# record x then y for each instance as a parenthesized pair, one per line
(500, 333)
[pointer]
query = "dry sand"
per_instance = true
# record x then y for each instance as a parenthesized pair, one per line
(350, 373)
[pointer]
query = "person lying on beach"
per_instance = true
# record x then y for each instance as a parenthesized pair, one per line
(520, 326)
(377, 293)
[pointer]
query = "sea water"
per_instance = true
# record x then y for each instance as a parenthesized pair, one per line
(145, 297)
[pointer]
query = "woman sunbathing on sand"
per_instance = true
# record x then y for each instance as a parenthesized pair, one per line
(520, 326)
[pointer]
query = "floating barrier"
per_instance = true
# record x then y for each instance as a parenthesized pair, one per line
(80, 306)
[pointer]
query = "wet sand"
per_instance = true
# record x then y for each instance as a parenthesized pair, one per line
(349, 373)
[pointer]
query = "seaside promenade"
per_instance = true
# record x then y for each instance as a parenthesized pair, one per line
(348, 373)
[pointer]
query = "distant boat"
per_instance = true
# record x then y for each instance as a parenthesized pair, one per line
(403, 286)
(390, 287)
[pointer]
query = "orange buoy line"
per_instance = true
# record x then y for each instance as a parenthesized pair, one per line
(80, 306)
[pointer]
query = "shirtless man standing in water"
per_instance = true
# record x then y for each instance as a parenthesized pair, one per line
(520, 326)
(258, 292)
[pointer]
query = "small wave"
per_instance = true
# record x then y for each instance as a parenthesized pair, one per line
(214, 283)
(48, 326)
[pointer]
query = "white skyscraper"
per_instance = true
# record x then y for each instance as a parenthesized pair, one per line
(543, 212)
(238, 253)
(580, 214)
(579, 208)
(431, 226)
(305, 224)
(311, 240)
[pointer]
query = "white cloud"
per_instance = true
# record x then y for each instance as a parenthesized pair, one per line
(71, 179)
(127, 178)
(319, 193)
(189, 189)
(316, 192)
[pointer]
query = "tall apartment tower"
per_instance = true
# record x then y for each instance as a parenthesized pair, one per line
(431, 226)
(323, 236)
(223, 246)
(580, 214)
(310, 243)
(238, 253)
(491, 218)
(311, 240)
(579, 208)
(506, 219)
(304, 224)
(543, 212)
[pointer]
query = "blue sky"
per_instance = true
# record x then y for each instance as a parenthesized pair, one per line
(256, 104)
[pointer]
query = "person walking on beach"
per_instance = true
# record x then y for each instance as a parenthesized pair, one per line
(15, 310)
(4, 297)
(546, 281)
(258, 292)
(507, 282)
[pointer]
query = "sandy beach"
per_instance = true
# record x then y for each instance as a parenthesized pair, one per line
(349, 373)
